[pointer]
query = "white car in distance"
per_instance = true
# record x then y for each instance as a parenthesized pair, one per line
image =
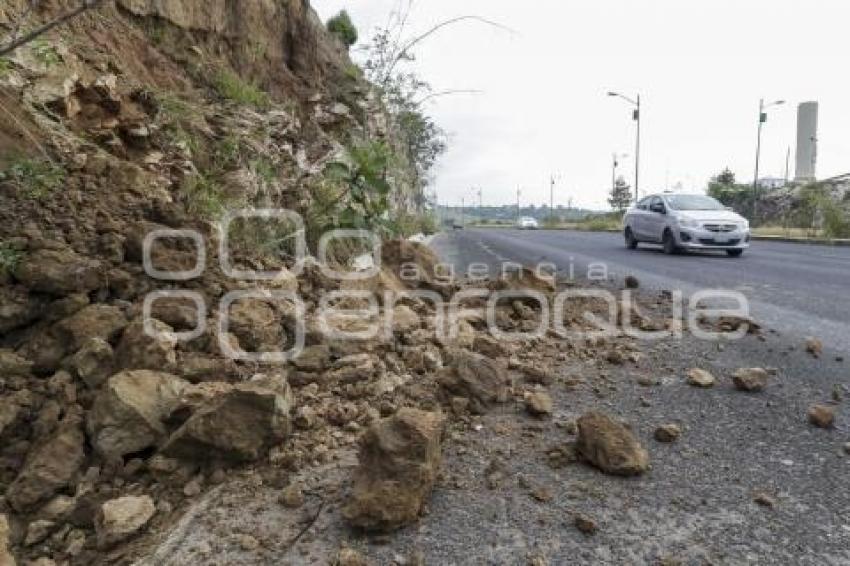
(686, 222)
(527, 223)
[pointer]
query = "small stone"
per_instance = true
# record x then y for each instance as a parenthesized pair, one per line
(349, 557)
(632, 282)
(764, 499)
(814, 347)
(192, 488)
(247, 542)
(847, 448)
(822, 416)
(668, 433)
(542, 494)
(292, 496)
(121, 518)
(700, 378)
(37, 531)
(585, 524)
(539, 404)
(750, 379)
(610, 446)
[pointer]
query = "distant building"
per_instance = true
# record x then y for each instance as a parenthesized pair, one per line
(771, 182)
(807, 142)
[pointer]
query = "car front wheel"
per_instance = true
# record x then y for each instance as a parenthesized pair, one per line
(631, 241)
(669, 242)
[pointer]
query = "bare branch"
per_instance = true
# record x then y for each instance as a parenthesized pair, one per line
(447, 93)
(405, 49)
(34, 34)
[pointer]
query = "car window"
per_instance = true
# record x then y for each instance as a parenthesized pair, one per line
(655, 201)
(644, 203)
(693, 202)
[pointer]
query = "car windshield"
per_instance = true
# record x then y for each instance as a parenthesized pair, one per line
(693, 202)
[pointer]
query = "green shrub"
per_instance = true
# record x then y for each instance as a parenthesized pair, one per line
(343, 28)
(36, 179)
(45, 53)
(9, 258)
(232, 87)
(204, 196)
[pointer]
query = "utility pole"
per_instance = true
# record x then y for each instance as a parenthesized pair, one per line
(481, 204)
(518, 192)
(636, 116)
(762, 120)
(463, 212)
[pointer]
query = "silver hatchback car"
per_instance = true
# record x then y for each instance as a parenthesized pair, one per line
(686, 222)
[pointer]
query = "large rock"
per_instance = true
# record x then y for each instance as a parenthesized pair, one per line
(50, 466)
(128, 413)
(700, 378)
(17, 308)
(477, 378)
(239, 424)
(94, 362)
(119, 519)
(6, 558)
(257, 325)
(399, 462)
(59, 272)
(139, 350)
(610, 446)
(94, 321)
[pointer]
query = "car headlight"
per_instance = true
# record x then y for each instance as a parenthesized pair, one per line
(688, 223)
(744, 225)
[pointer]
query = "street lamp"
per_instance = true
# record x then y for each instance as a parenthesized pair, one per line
(762, 120)
(636, 118)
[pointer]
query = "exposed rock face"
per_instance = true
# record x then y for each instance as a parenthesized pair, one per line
(479, 379)
(128, 413)
(59, 272)
(93, 363)
(610, 446)
(239, 424)
(750, 379)
(399, 462)
(122, 518)
(298, 48)
(51, 466)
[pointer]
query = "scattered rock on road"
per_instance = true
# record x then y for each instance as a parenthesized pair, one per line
(822, 416)
(477, 378)
(400, 458)
(668, 433)
(814, 347)
(610, 446)
(121, 518)
(585, 524)
(764, 499)
(700, 378)
(750, 379)
(349, 557)
(632, 282)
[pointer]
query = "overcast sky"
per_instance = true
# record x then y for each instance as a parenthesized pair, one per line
(700, 67)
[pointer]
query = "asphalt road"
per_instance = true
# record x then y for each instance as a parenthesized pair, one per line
(797, 290)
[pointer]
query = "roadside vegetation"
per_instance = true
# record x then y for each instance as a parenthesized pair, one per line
(34, 178)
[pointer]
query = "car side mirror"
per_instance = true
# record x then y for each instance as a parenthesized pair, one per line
(659, 208)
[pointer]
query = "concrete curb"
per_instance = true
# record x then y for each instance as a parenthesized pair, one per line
(783, 239)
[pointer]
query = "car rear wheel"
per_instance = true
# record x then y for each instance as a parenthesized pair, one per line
(669, 242)
(734, 253)
(631, 241)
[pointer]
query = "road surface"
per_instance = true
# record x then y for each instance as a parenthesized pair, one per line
(798, 290)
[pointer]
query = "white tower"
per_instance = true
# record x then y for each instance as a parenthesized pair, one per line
(807, 142)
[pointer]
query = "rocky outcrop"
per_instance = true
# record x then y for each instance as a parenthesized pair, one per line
(399, 461)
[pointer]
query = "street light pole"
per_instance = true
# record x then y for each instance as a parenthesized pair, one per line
(636, 116)
(762, 120)
(518, 190)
